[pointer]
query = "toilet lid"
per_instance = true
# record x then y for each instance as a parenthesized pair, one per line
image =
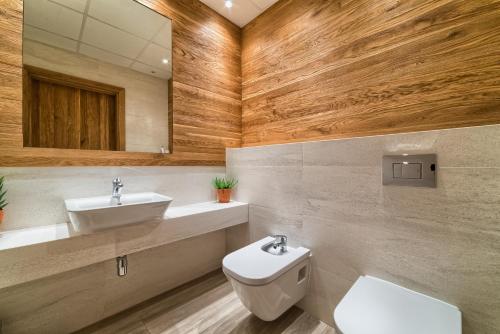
(374, 306)
(253, 266)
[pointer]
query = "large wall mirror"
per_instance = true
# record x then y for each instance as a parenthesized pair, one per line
(97, 76)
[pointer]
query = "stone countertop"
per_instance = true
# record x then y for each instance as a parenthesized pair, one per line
(33, 253)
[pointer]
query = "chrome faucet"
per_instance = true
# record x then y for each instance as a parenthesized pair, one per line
(280, 241)
(117, 191)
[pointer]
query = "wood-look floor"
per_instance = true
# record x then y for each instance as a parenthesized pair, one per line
(206, 305)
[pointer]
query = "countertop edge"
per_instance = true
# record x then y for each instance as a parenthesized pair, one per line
(53, 253)
(49, 233)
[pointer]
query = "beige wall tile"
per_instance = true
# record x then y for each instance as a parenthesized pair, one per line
(368, 152)
(441, 241)
(36, 195)
(333, 191)
(275, 155)
(326, 289)
(237, 237)
(268, 221)
(456, 148)
(270, 186)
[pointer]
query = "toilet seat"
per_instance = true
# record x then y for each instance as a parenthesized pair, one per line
(253, 266)
(374, 306)
(268, 284)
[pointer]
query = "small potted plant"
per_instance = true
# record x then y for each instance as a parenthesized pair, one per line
(3, 200)
(224, 186)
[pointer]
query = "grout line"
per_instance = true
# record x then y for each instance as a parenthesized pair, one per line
(64, 6)
(84, 55)
(47, 31)
(104, 22)
(82, 27)
(150, 41)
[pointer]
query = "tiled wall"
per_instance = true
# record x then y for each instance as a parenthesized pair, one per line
(328, 196)
(36, 195)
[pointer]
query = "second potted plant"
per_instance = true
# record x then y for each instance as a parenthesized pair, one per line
(224, 186)
(3, 200)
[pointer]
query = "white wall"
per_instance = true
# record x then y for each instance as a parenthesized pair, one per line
(328, 196)
(146, 97)
(36, 194)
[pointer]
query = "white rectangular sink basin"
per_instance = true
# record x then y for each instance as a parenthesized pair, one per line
(96, 213)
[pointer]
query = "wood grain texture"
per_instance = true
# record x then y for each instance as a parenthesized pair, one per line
(63, 111)
(206, 305)
(206, 86)
(316, 70)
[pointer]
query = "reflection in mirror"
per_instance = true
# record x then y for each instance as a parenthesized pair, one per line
(96, 75)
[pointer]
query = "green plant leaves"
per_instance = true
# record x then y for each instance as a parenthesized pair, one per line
(224, 183)
(3, 200)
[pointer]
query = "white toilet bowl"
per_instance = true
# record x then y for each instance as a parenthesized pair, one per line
(375, 306)
(268, 284)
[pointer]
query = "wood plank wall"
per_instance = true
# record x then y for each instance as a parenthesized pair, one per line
(328, 69)
(206, 92)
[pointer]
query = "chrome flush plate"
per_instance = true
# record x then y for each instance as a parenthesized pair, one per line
(410, 170)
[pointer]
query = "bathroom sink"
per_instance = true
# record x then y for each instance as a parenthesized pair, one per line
(95, 213)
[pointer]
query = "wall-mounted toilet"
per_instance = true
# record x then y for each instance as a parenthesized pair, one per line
(375, 306)
(268, 276)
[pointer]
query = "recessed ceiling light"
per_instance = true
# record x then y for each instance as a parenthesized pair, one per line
(228, 3)
(164, 61)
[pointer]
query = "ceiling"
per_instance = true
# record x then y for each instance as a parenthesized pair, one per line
(121, 32)
(242, 12)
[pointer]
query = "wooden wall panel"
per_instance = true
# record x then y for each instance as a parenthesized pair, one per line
(97, 122)
(332, 69)
(67, 112)
(206, 88)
